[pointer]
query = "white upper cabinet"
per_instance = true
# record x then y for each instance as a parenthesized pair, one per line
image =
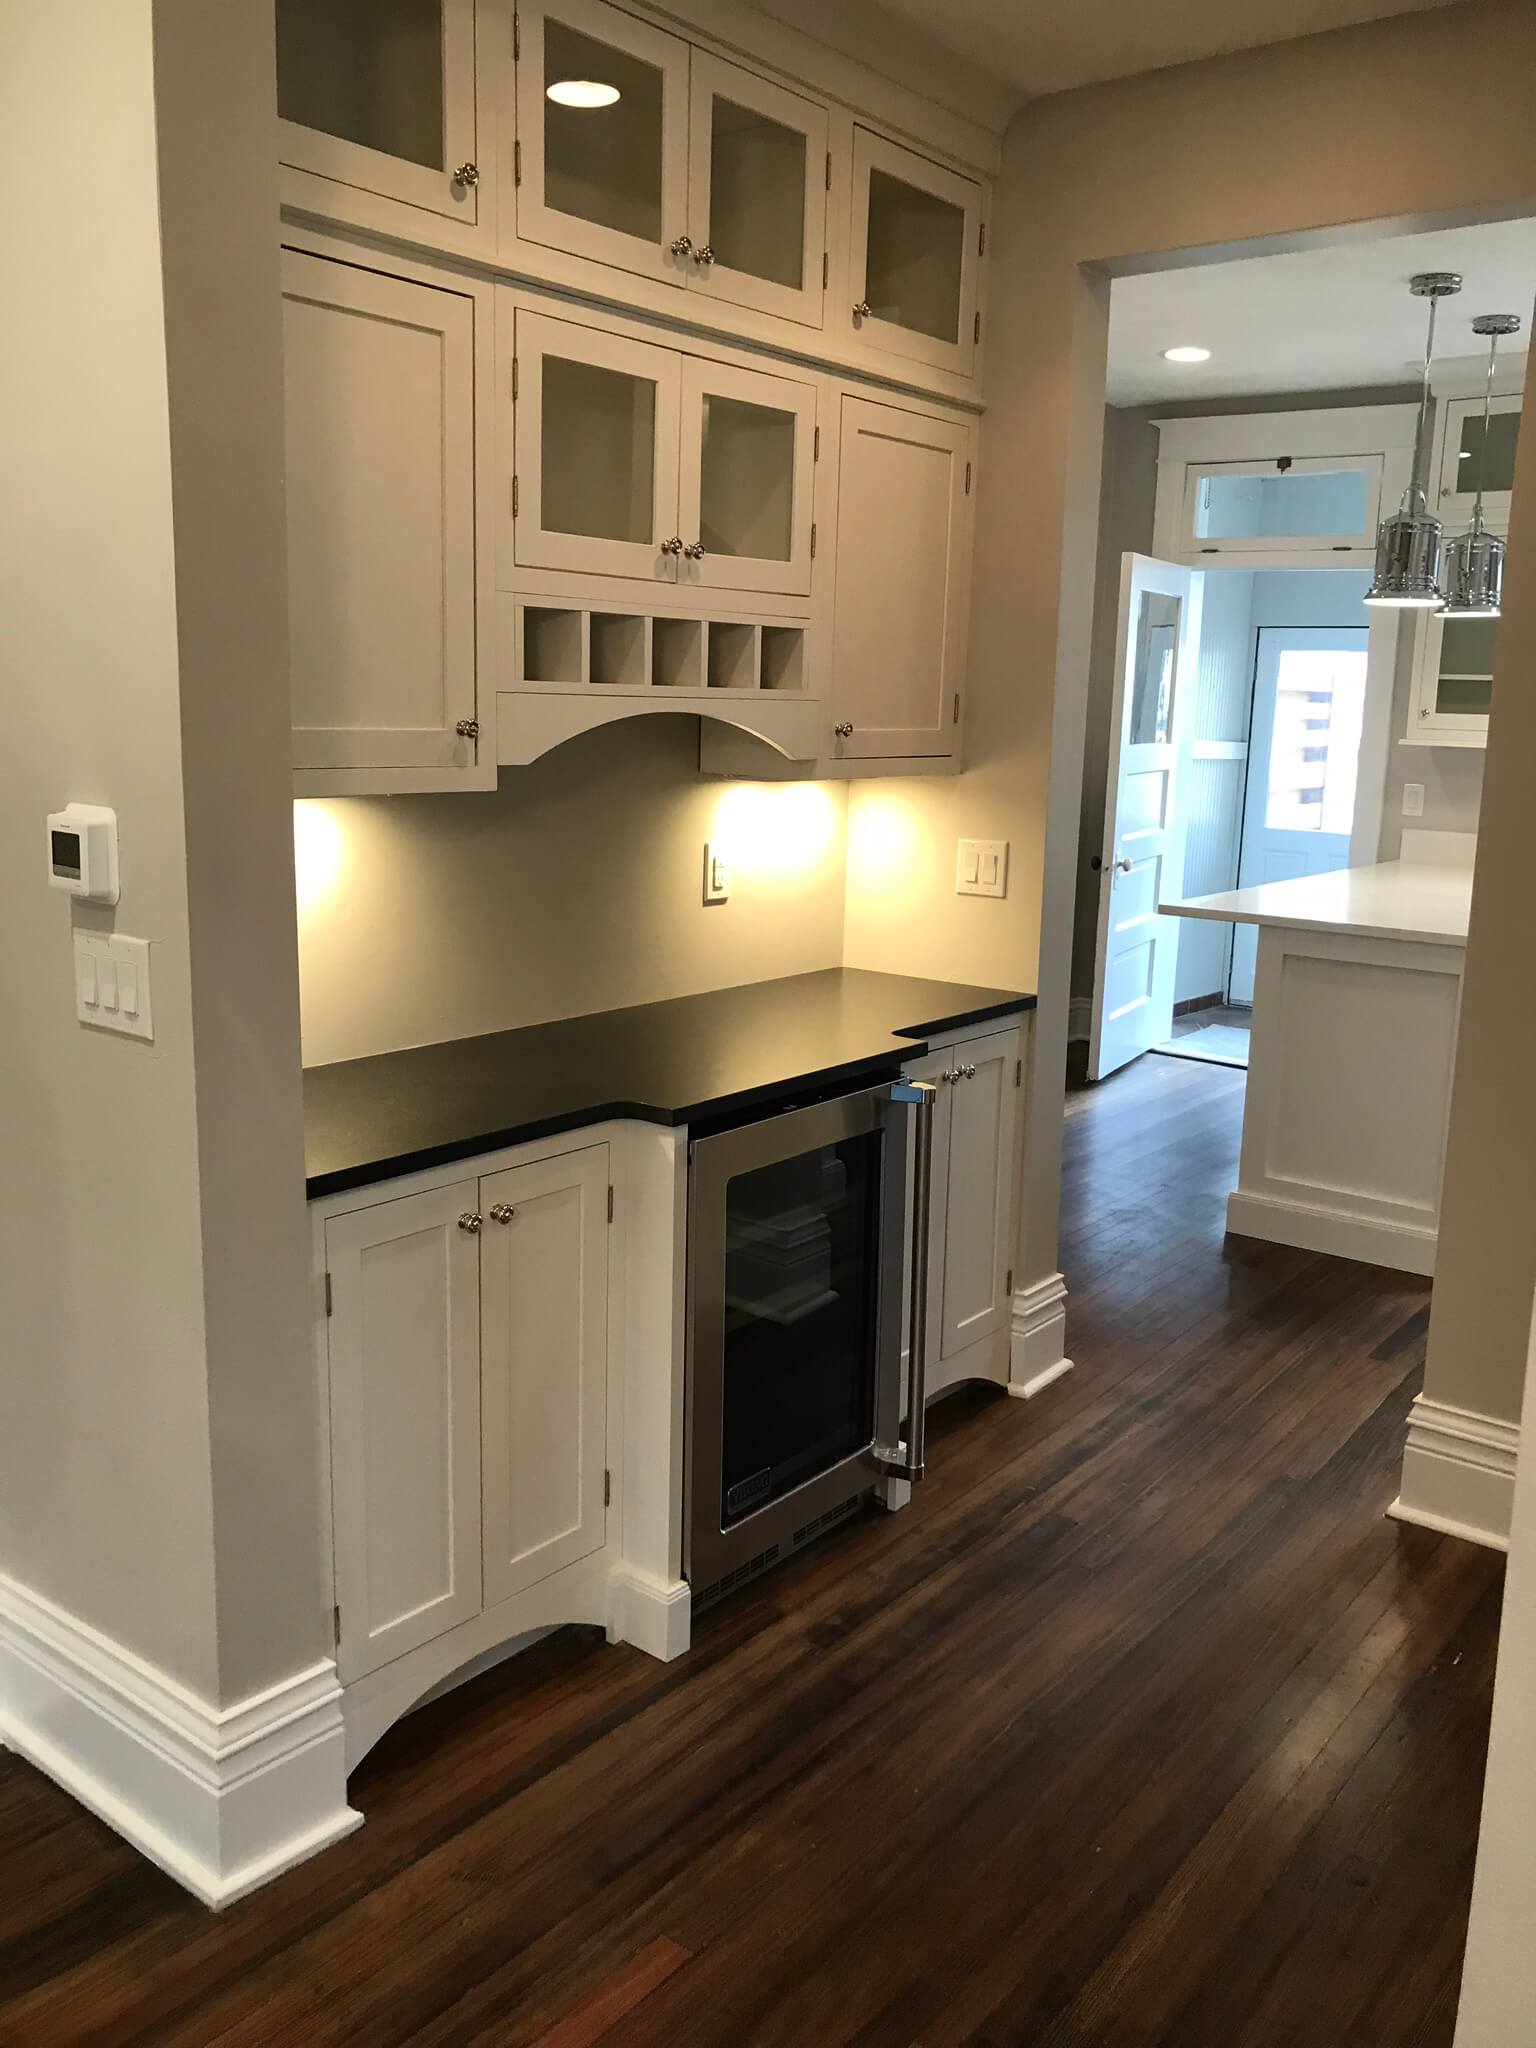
(745, 479)
(1452, 689)
(757, 192)
(379, 389)
(903, 582)
(914, 256)
(1467, 457)
(377, 108)
(601, 164)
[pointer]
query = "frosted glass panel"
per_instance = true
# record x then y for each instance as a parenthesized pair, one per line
(1465, 683)
(1152, 679)
(747, 487)
(756, 194)
(916, 251)
(1490, 462)
(599, 452)
(1282, 504)
(603, 164)
(368, 71)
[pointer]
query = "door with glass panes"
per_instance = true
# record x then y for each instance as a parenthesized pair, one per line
(747, 452)
(914, 255)
(379, 95)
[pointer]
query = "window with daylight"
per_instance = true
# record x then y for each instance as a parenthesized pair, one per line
(1315, 756)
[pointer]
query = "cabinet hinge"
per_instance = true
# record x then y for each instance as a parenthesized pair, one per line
(514, 497)
(336, 1626)
(610, 1203)
(813, 540)
(967, 479)
(607, 1489)
(976, 329)
(1008, 1283)
(816, 446)
(328, 1294)
(981, 232)
(517, 163)
(829, 170)
(826, 269)
(514, 380)
(955, 720)
(517, 37)
(1018, 1073)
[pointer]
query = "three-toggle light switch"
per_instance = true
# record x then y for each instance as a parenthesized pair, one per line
(112, 983)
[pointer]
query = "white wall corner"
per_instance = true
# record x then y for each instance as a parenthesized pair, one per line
(223, 1799)
(1079, 1019)
(1458, 1473)
(1038, 1340)
(654, 1615)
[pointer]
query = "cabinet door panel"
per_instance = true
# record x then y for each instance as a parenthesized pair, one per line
(1468, 456)
(544, 1366)
(596, 437)
(746, 478)
(379, 400)
(903, 580)
(380, 95)
(404, 1339)
(983, 1121)
(757, 192)
(607, 178)
(914, 255)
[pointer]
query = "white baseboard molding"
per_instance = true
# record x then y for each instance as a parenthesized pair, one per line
(1038, 1339)
(656, 1616)
(223, 1799)
(1313, 1227)
(1079, 1019)
(1458, 1473)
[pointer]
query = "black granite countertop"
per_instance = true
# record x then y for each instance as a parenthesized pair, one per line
(669, 1063)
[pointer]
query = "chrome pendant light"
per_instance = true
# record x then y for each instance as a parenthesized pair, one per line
(1408, 544)
(1474, 561)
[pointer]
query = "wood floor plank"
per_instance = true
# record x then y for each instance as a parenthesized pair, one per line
(1141, 1728)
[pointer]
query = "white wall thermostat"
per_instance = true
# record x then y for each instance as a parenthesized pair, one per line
(82, 852)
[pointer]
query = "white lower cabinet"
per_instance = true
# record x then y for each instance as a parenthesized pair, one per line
(975, 1134)
(467, 1345)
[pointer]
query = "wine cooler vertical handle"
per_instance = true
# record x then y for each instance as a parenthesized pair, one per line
(907, 1461)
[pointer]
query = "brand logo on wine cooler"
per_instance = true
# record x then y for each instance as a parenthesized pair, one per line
(746, 1491)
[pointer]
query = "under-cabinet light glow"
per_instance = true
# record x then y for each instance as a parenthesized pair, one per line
(1186, 353)
(781, 830)
(581, 92)
(319, 854)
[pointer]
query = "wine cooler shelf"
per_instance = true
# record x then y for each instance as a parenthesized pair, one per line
(569, 648)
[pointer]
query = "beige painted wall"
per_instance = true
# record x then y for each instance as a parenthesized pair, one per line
(1103, 177)
(575, 886)
(148, 1377)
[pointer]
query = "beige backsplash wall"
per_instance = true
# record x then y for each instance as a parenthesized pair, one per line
(575, 886)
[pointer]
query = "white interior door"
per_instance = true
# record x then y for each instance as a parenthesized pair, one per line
(1156, 653)
(1303, 762)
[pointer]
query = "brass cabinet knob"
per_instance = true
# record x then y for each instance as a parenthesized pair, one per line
(468, 728)
(471, 1223)
(467, 175)
(502, 1212)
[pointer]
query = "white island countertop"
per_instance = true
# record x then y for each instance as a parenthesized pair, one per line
(1392, 900)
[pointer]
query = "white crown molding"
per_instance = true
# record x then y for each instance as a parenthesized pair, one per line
(1037, 1338)
(222, 1798)
(1458, 1473)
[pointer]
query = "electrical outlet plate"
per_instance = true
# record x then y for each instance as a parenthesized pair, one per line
(1413, 799)
(717, 873)
(981, 867)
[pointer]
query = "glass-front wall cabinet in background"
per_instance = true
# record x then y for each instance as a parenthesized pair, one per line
(1468, 458)
(379, 96)
(1452, 681)
(915, 254)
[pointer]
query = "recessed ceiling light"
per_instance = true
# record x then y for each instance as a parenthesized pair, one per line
(581, 92)
(1186, 355)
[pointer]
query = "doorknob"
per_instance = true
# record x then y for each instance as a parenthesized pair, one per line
(1101, 865)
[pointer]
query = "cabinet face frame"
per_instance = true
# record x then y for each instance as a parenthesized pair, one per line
(533, 545)
(872, 152)
(315, 270)
(537, 220)
(939, 737)
(353, 173)
(364, 1646)
(711, 79)
(701, 379)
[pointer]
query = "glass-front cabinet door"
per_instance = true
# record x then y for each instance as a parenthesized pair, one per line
(1452, 681)
(596, 452)
(1469, 457)
(746, 479)
(1280, 504)
(601, 163)
(379, 95)
(915, 255)
(757, 192)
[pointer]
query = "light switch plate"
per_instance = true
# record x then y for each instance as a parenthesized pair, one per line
(112, 983)
(981, 867)
(717, 873)
(1413, 799)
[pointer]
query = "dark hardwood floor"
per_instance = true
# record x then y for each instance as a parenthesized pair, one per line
(1142, 1727)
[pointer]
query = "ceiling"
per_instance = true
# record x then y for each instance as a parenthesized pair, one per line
(1326, 319)
(1030, 47)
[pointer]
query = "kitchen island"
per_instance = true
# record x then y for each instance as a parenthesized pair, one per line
(1355, 1009)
